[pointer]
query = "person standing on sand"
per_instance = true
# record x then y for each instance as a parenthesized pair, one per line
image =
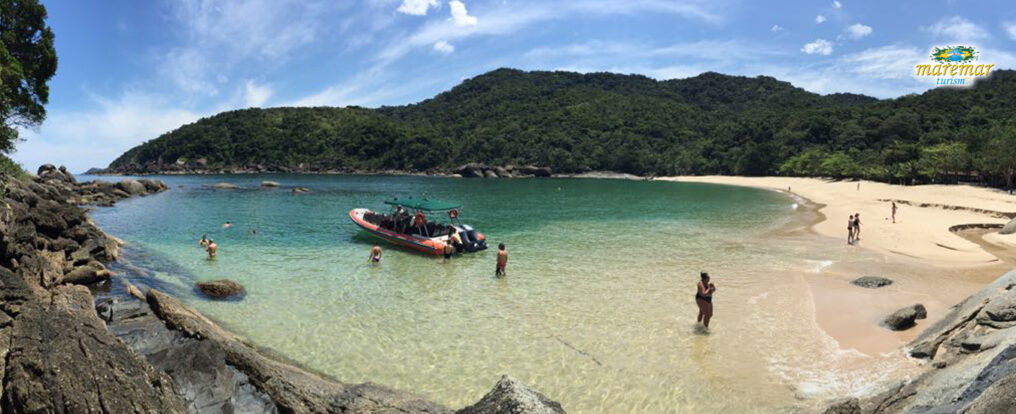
(894, 212)
(857, 227)
(850, 229)
(704, 299)
(375, 255)
(204, 240)
(212, 247)
(502, 260)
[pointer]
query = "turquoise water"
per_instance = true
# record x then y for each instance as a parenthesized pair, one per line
(596, 311)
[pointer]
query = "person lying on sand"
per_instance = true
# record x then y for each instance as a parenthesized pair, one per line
(375, 255)
(212, 247)
(704, 298)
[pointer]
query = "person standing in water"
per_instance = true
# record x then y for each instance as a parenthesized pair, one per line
(227, 225)
(850, 229)
(375, 255)
(704, 299)
(448, 249)
(502, 260)
(204, 240)
(894, 212)
(212, 247)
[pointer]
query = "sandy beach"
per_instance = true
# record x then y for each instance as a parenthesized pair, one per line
(925, 214)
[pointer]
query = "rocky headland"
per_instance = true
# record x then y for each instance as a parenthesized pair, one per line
(75, 337)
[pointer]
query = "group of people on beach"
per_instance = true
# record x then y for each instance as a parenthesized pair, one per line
(449, 249)
(854, 228)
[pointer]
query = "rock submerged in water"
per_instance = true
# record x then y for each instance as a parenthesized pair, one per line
(301, 190)
(225, 186)
(872, 282)
(270, 184)
(221, 289)
(513, 397)
(906, 317)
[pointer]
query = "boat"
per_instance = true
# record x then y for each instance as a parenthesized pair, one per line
(399, 226)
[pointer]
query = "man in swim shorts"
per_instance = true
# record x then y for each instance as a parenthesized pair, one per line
(502, 260)
(212, 247)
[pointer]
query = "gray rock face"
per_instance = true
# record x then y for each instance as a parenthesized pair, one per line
(1000, 397)
(844, 406)
(512, 397)
(906, 317)
(490, 174)
(132, 187)
(1000, 312)
(221, 288)
(1010, 228)
(872, 282)
(270, 184)
(471, 170)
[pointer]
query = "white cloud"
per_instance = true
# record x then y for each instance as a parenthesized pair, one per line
(442, 46)
(71, 138)
(776, 28)
(819, 46)
(857, 31)
(256, 95)
(957, 28)
(837, 4)
(459, 14)
(1010, 29)
(820, 19)
(417, 7)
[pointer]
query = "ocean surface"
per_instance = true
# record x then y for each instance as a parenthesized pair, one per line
(596, 312)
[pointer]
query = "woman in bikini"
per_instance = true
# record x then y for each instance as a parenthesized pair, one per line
(704, 299)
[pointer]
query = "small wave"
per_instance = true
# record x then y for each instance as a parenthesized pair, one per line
(819, 265)
(794, 206)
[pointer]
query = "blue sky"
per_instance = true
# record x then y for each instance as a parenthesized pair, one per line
(132, 70)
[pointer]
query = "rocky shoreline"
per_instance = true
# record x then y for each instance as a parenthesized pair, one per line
(75, 337)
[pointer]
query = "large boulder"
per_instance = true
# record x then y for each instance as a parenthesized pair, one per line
(471, 170)
(844, 406)
(502, 172)
(510, 396)
(45, 168)
(872, 282)
(270, 184)
(301, 190)
(1009, 228)
(153, 186)
(537, 171)
(131, 187)
(221, 288)
(489, 174)
(1000, 312)
(225, 186)
(905, 318)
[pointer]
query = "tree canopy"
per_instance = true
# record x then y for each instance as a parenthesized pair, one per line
(27, 63)
(707, 124)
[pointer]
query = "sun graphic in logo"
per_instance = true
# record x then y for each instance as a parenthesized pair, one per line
(954, 54)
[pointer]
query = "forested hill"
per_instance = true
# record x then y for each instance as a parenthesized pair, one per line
(708, 124)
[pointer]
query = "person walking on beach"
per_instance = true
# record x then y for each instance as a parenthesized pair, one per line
(204, 240)
(850, 229)
(502, 260)
(894, 212)
(212, 247)
(704, 299)
(375, 255)
(857, 227)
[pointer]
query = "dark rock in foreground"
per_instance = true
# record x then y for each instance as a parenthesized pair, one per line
(512, 397)
(872, 282)
(221, 288)
(906, 317)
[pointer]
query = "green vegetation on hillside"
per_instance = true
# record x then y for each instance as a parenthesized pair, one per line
(708, 124)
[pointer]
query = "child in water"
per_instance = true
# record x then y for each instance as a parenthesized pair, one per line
(502, 260)
(375, 255)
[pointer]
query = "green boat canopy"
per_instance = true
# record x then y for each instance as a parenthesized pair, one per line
(423, 204)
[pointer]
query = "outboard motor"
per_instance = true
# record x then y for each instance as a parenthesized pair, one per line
(470, 240)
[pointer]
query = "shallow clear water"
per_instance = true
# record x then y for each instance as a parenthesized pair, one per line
(596, 312)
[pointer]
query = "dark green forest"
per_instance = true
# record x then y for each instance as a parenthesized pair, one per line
(708, 124)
